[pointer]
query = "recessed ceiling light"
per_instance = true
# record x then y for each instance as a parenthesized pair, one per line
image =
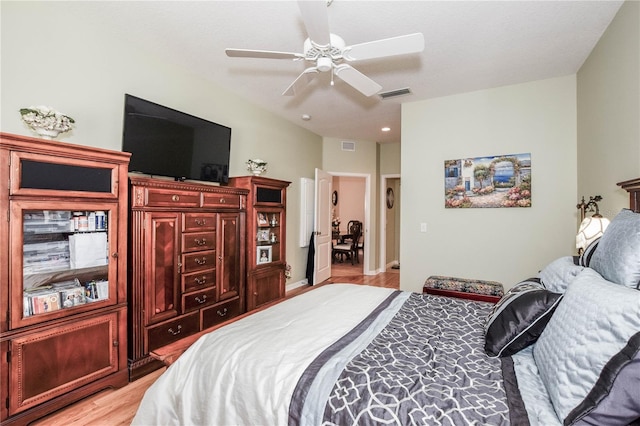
(386, 129)
(306, 117)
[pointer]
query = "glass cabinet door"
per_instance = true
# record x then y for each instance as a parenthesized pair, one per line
(63, 259)
(268, 236)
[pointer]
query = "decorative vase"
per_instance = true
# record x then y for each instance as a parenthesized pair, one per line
(257, 167)
(46, 121)
(48, 134)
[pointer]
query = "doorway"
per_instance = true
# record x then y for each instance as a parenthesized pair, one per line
(390, 197)
(352, 192)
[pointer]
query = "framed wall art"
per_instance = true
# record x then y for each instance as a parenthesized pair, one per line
(498, 181)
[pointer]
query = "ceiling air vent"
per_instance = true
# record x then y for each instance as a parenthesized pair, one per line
(348, 146)
(394, 93)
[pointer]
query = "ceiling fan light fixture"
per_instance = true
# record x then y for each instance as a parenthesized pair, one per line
(324, 64)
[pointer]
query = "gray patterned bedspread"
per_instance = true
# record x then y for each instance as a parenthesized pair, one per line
(416, 360)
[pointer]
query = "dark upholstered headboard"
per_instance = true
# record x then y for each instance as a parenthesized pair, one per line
(633, 187)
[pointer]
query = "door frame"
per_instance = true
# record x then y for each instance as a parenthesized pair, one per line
(367, 217)
(383, 219)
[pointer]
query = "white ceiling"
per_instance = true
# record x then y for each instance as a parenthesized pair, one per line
(469, 45)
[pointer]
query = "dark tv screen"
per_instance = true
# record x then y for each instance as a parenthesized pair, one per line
(166, 142)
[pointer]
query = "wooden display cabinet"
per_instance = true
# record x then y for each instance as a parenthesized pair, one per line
(63, 251)
(186, 265)
(266, 238)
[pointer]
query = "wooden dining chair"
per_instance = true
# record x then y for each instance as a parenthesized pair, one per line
(349, 247)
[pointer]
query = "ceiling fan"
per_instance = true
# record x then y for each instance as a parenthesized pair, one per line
(329, 52)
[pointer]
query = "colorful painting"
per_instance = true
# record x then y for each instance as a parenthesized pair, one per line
(500, 181)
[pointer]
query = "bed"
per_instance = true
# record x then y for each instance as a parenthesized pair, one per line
(561, 347)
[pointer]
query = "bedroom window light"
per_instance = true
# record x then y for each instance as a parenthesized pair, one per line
(591, 228)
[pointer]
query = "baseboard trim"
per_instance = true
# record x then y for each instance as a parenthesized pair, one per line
(297, 284)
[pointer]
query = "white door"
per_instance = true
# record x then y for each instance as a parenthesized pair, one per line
(322, 227)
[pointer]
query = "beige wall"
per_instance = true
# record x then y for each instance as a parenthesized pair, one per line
(503, 244)
(84, 70)
(389, 158)
(609, 112)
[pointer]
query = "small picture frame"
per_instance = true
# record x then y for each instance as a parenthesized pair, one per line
(263, 255)
(263, 235)
(262, 219)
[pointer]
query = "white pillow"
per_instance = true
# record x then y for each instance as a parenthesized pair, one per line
(596, 324)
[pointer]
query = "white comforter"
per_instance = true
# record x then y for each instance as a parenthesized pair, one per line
(245, 372)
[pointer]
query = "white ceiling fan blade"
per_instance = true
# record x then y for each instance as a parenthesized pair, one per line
(265, 54)
(301, 82)
(401, 45)
(356, 79)
(316, 20)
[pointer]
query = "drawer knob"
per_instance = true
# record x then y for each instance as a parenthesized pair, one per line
(200, 281)
(201, 261)
(178, 330)
(203, 300)
(222, 312)
(175, 198)
(201, 222)
(222, 201)
(200, 242)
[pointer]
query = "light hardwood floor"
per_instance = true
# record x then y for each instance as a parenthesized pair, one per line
(113, 407)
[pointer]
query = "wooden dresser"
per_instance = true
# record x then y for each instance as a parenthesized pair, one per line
(186, 263)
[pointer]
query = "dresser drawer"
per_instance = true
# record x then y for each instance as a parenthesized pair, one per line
(170, 331)
(198, 261)
(199, 222)
(158, 197)
(231, 201)
(220, 313)
(197, 241)
(198, 280)
(198, 299)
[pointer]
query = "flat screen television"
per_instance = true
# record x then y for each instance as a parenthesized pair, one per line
(170, 143)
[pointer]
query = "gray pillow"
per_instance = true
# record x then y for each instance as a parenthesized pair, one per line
(618, 255)
(587, 354)
(557, 275)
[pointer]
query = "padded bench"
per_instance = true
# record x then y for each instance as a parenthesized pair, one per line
(463, 288)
